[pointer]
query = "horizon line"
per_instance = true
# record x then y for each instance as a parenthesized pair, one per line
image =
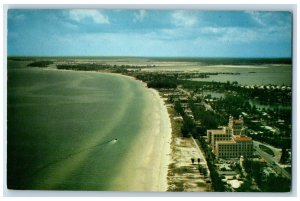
(99, 56)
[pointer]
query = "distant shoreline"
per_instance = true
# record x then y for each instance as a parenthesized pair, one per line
(202, 60)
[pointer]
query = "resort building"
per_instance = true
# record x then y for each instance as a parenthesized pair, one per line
(230, 141)
(214, 136)
(237, 125)
(238, 146)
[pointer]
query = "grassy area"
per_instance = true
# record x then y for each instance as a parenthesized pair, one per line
(179, 186)
(184, 169)
(40, 64)
(288, 169)
(174, 186)
(266, 149)
(176, 126)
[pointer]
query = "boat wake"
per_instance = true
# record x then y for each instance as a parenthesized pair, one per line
(102, 144)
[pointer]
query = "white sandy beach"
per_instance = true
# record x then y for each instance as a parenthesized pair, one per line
(152, 152)
(164, 140)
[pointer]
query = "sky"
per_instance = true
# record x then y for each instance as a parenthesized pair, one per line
(153, 33)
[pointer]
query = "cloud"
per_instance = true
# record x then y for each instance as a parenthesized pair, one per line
(173, 33)
(258, 17)
(139, 16)
(243, 35)
(69, 25)
(96, 16)
(239, 35)
(184, 18)
(116, 44)
(268, 18)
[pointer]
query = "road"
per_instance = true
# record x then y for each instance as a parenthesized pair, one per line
(203, 160)
(271, 161)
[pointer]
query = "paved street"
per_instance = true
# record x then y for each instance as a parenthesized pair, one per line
(272, 161)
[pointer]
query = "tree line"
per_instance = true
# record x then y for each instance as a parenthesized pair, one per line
(266, 183)
(158, 81)
(40, 64)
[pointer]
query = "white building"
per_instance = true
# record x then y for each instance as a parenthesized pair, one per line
(230, 141)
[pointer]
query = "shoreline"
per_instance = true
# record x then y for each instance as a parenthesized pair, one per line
(165, 149)
(159, 178)
(158, 154)
(177, 156)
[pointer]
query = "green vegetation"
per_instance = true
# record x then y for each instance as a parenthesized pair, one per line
(158, 80)
(162, 83)
(201, 111)
(236, 102)
(266, 183)
(254, 168)
(228, 61)
(40, 64)
(209, 119)
(288, 169)
(99, 67)
(284, 156)
(179, 187)
(84, 66)
(233, 105)
(20, 59)
(188, 127)
(266, 149)
(183, 169)
(202, 170)
(176, 126)
(276, 184)
(263, 95)
(178, 108)
(247, 186)
(210, 113)
(217, 183)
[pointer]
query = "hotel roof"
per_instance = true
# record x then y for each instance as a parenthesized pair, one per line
(237, 121)
(226, 142)
(242, 138)
(217, 131)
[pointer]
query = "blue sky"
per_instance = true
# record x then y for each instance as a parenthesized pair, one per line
(169, 33)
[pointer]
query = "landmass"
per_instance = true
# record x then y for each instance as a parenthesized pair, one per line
(195, 107)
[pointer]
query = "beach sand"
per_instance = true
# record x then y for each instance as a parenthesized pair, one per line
(162, 159)
(151, 149)
(183, 175)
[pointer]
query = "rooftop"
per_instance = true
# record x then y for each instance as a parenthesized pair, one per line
(226, 142)
(242, 138)
(217, 131)
(237, 121)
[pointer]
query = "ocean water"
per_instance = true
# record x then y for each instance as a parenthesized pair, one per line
(251, 75)
(77, 130)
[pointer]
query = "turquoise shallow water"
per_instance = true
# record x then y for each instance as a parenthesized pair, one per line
(62, 127)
